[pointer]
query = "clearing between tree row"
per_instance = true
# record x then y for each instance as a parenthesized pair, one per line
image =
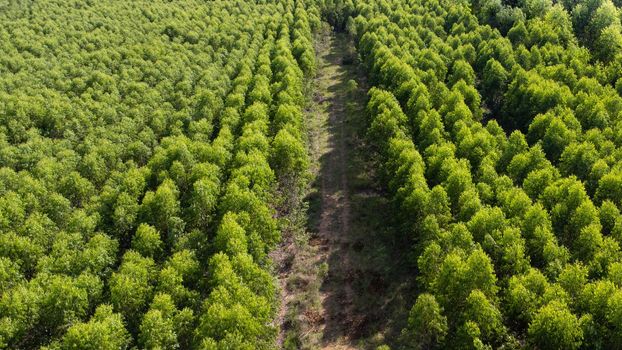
(341, 280)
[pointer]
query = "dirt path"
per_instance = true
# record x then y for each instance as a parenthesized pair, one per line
(333, 235)
(335, 293)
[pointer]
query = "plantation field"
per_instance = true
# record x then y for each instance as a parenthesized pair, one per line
(311, 174)
(143, 145)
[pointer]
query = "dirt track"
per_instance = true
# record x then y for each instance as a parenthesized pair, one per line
(335, 290)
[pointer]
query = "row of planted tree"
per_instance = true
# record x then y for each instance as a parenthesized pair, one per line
(142, 148)
(501, 151)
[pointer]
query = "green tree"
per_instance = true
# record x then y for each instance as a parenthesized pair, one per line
(131, 286)
(147, 242)
(461, 70)
(157, 330)
(555, 327)
(609, 43)
(161, 209)
(427, 327)
(536, 8)
(289, 156)
(105, 331)
(610, 188)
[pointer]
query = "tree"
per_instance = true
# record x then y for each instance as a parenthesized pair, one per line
(536, 8)
(289, 156)
(608, 215)
(578, 159)
(178, 276)
(614, 273)
(591, 111)
(105, 331)
(486, 222)
(518, 34)
(555, 130)
(537, 180)
(573, 279)
(515, 145)
(147, 241)
(131, 286)
(606, 15)
(461, 70)
(507, 17)
(205, 192)
(429, 262)
(65, 300)
(609, 43)
(528, 95)
(457, 277)
(595, 296)
(161, 209)
(438, 205)
(233, 310)
(525, 295)
(458, 181)
(610, 188)
(614, 317)
(427, 327)
(486, 315)
(157, 329)
(555, 327)
(10, 274)
(231, 237)
(507, 249)
(560, 22)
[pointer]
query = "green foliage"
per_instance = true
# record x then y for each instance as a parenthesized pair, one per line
(145, 148)
(535, 8)
(137, 141)
(104, 330)
(555, 327)
(427, 327)
(131, 286)
(146, 241)
(163, 324)
(519, 207)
